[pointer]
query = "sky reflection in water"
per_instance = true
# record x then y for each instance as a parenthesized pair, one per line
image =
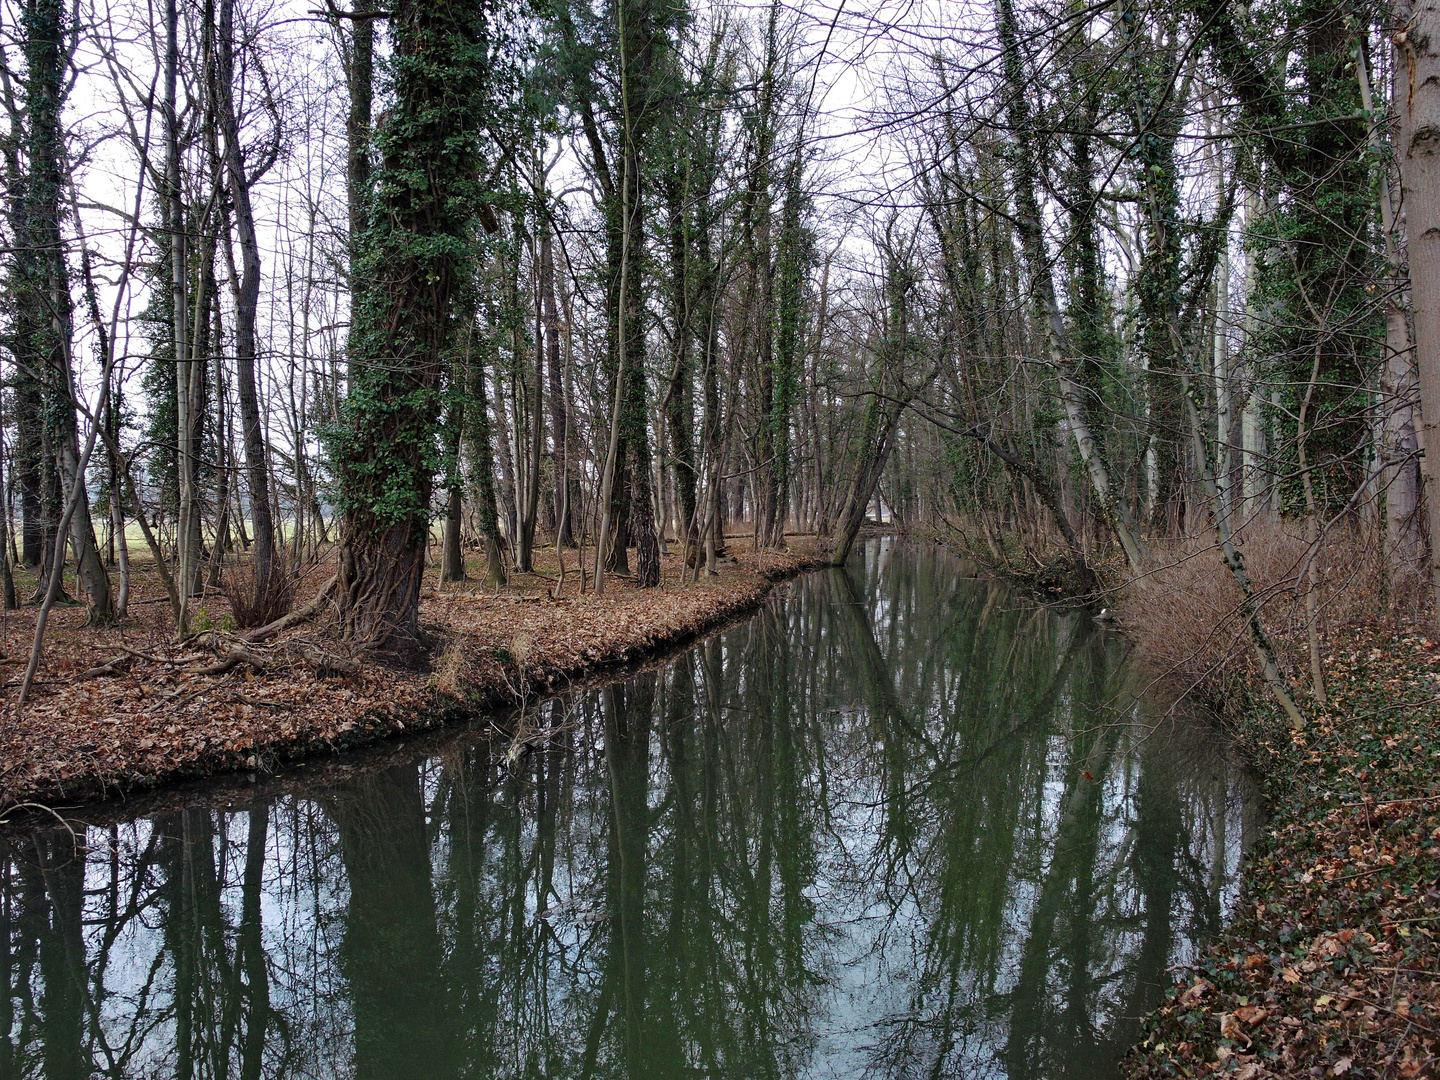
(899, 824)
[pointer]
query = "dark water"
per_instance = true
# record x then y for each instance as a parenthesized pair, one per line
(899, 824)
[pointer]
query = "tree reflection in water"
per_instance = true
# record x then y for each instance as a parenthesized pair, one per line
(898, 824)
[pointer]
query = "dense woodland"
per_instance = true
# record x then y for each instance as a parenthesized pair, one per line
(371, 287)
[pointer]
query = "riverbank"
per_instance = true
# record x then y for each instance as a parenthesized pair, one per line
(1331, 966)
(98, 725)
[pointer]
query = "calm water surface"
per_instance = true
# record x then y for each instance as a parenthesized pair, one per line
(899, 824)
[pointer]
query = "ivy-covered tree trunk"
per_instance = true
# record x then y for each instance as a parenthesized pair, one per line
(23, 311)
(712, 433)
(1025, 176)
(24, 315)
(679, 403)
(619, 132)
(45, 62)
(1158, 278)
(411, 257)
(792, 261)
(1307, 123)
(360, 78)
(888, 401)
(28, 469)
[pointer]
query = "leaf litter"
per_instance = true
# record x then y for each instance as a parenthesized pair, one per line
(1331, 966)
(99, 724)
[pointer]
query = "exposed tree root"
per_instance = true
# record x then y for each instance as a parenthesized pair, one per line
(296, 617)
(232, 660)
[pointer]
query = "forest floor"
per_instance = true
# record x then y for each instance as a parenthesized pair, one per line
(1331, 966)
(128, 708)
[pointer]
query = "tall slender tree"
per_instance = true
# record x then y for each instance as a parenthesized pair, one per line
(239, 178)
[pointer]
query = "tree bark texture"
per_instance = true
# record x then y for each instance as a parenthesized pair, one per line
(411, 256)
(1419, 154)
(247, 302)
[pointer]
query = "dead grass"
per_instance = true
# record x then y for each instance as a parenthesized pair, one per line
(1187, 618)
(252, 606)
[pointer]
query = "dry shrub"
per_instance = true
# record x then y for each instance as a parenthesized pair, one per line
(520, 647)
(1188, 618)
(251, 606)
(1033, 558)
(447, 674)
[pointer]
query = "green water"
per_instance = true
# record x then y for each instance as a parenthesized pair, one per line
(900, 823)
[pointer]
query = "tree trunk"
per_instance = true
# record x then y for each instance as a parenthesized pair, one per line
(380, 574)
(1418, 65)
(559, 408)
(452, 557)
(1398, 449)
(877, 440)
(44, 99)
(624, 488)
(361, 78)
(482, 462)
(25, 471)
(1042, 285)
(679, 411)
(5, 546)
(411, 259)
(1252, 428)
(452, 564)
(537, 442)
(247, 301)
(173, 208)
(117, 523)
(789, 303)
(28, 469)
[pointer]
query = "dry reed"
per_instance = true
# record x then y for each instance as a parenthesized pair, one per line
(1188, 620)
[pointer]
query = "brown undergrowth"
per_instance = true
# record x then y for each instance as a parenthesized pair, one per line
(1187, 619)
(1331, 966)
(127, 708)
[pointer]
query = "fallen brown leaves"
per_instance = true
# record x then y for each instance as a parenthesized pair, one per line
(124, 709)
(1332, 966)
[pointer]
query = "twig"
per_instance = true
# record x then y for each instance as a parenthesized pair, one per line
(113, 666)
(142, 655)
(5, 816)
(109, 667)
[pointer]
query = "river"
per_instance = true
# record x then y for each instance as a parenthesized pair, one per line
(900, 823)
